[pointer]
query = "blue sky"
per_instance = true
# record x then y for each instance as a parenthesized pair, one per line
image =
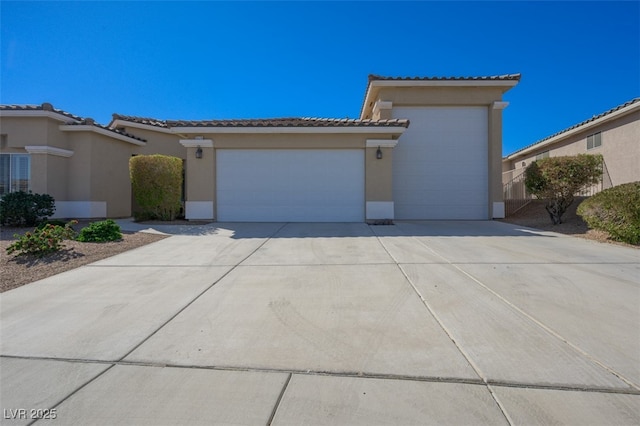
(201, 60)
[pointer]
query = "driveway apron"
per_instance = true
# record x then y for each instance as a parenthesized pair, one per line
(331, 323)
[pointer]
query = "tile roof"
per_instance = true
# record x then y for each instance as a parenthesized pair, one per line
(140, 120)
(75, 120)
(374, 77)
(582, 123)
(91, 122)
(290, 122)
(44, 107)
(516, 77)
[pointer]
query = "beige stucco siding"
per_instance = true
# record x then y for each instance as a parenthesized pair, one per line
(23, 131)
(437, 96)
(620, 148)
(110, 182)
(378, 175)
(158, 142)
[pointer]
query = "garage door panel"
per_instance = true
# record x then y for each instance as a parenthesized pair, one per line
(290, 185)
(440, 165)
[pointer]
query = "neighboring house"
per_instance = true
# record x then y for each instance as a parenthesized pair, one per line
(615, 134)
(423, 148)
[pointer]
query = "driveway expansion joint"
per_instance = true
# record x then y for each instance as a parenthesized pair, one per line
(200, 295)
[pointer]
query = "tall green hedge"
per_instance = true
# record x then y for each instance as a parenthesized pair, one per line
(157, 186)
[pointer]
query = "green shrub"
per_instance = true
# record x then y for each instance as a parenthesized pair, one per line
(100, 232)
(25, 208)
(558, 179)
(615, 210)
(157, 186)
(42, 241)
(55, 222)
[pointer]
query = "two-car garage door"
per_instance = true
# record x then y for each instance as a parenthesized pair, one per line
(290, 185)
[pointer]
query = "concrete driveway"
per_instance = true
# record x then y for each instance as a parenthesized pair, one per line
(416, 323)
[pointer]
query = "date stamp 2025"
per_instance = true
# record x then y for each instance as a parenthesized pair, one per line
(29, 414)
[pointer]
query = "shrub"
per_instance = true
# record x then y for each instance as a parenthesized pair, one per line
(42, 241)
(157, 186)
(25, 208)
(615, 210)
(559, 179)
(55, 222)
(99, 232)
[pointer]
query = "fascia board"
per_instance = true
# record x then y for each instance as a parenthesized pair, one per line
(445, 83)
(99, 130)
(289, 130)
(124, 123)
(37, 113)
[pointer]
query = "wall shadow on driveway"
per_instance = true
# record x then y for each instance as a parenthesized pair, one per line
(435, 228)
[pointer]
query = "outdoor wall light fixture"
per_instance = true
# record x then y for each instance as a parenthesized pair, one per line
(379, 154)
(199, 152)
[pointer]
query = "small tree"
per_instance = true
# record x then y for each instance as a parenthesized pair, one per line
(157, 185)
(559, 179)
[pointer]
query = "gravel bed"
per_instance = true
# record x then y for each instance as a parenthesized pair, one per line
(18, 270)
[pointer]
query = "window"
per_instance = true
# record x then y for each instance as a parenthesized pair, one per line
(15, 170)
(594, 141)
(542, 155)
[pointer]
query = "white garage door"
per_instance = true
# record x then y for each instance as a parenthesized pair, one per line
(290, 185)
(440, 165)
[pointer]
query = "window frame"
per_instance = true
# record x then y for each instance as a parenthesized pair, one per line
(13, 174)
(594, 141)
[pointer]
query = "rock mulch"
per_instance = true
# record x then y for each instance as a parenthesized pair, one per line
(16, 270)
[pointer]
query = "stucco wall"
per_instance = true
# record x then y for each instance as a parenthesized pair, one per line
(620, 148)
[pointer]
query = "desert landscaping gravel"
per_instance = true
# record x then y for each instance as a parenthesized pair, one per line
(17, 270)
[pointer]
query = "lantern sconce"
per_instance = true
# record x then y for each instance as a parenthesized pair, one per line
(379, 154)
(199, 152)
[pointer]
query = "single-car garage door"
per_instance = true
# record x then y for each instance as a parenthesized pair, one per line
(280, 185)
(440, 165)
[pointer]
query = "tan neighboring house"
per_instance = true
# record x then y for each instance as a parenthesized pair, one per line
(615, 134)
(422, 148)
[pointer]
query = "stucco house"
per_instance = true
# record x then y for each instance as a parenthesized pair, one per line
(615, 134)
(422, 148)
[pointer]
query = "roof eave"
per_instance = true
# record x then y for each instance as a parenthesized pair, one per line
(38, 113)
(125, 123)
(396, 130)
(546, 142)
(100, 130)
(375, 85)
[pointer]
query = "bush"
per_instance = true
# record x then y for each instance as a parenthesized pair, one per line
(157, 186)
(615, 210)
(25, 208)
(100, 232)
(42, 241)
(558, 179)
(51, 222)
